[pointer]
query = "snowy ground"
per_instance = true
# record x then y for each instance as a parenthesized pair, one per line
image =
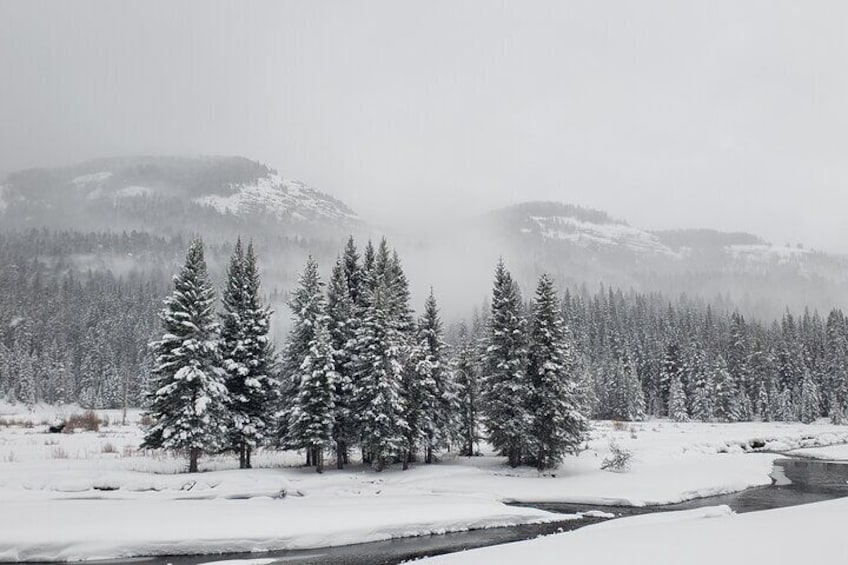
(813, 533)
(93, 494)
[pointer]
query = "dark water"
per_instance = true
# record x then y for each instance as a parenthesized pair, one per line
(811, 481)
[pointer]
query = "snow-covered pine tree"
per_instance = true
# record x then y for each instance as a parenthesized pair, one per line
(726, 396)
(558, 427)
(836, 363)
(808, 402)
(342, 323)
(309, 317)
(428, 391)
(677, 401)
(378, 375)
(505, 386)
(464, 369)
(312, 416)
(188, 401)
(698, 377)
(247, 355)
(625, 398)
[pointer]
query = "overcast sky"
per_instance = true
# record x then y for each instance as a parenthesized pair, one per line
(731, 115)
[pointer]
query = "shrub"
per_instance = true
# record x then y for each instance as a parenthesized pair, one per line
(108, 447)
(619, 426)
(58, 453)
(87, 421)
(618, 459)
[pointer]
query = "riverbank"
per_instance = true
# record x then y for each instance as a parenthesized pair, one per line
(93, 494)
(811, 533)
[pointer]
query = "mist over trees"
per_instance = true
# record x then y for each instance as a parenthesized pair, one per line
(360, 375)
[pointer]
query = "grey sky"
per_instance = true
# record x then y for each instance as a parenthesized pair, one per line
(670, 114)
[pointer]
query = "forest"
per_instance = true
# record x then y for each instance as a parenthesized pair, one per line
(69, 335)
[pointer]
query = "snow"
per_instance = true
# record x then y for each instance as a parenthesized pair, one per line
(812, 533)
(137, 502)
(589, 234)
(277, 196)
(767, 252)
(830, 453)
(92, 178)
(133, 191)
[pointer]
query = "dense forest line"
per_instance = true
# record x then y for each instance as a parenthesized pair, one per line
(74, 334)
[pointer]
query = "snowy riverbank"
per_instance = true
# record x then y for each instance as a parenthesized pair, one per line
(92, 494)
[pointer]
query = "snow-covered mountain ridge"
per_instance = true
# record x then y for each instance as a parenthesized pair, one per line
(195, 193)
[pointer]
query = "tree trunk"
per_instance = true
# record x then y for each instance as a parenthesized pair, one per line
(407, 457)
(540, 464)
(248, 451)
(429, 455)
(309, 456)
(319, 459)
(340, 455)
(193, 456)
(241, 456)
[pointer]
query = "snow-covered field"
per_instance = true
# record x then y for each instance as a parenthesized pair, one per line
(93, 494)
(813, 533)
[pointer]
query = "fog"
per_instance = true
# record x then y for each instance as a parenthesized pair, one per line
(717, 114)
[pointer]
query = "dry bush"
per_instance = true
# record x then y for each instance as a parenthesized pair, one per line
(619, 426)
(108, 447)
(87, 421)
(146, 420)
(58, 453)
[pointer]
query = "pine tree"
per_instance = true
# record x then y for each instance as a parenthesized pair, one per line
(506, 388)
(342, 322)
(312, 416)
(379, 376)
(464, 368)
(188, 399)
(726, 408)
(677, 401)
(247, 355)
(429, 397)
(558, 427)
(808, 405)
(309, 319)
(836, 363)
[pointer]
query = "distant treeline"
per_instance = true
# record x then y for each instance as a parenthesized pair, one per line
(77, 331)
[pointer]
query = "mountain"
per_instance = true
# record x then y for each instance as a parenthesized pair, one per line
(222, 197)
(583, 246)
(167, 195)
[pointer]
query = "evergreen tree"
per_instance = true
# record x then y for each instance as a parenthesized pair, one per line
(188, 399)
(429, 397)
(464, 368)
(309, 318)
(506, 388)
(808, 404)
(312, 416)
(379, 376)
(726, 397)
(247, 355)
(558, 427)
(677, 401)
(342, 321)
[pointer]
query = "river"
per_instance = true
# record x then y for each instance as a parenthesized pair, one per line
(797, 481)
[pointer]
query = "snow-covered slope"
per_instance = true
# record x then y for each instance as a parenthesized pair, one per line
(279, 197)
(166, 194)
(591, 234)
